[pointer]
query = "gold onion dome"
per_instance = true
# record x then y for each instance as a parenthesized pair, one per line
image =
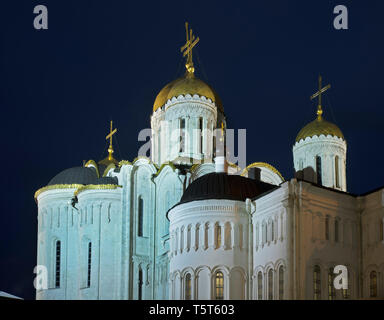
(188, 84)
(319, 127)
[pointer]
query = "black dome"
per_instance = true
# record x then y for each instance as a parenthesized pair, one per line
(81, 175)
(224, 186)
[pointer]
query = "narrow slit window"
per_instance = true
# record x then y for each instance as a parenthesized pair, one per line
(259, 286)
(281, 283)
(182, 135)
(140, 285)
(327, 228)
(188, 288)
(270, 284)
(318, 170)
(141, 218)
(316, 283)
(218, 236)
(201, 134)
(331, 287)
(219, 286)
(89, 264)
(337, 172)
(57, 264)
(373, 284)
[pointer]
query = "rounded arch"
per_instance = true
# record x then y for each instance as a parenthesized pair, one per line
(220, 283)
(279, 263)
(238, 284)
(271, 173)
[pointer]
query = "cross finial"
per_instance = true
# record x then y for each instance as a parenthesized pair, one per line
(187, 48)
(318, 94)
(109, 136)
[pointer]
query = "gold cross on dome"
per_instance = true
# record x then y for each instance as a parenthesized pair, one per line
(191, 42)
(318, 94)
(109, 136)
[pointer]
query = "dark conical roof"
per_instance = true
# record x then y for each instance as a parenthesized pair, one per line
(80, 175)
(224, 186)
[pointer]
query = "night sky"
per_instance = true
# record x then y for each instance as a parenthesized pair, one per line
(103, 60)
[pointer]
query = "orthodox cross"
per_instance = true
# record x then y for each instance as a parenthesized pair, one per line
(187, 48)
(318, 94)
(109, 136)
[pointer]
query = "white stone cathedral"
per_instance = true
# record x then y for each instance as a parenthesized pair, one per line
(186, 224)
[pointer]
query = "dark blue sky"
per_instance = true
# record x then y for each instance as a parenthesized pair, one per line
(102, 60)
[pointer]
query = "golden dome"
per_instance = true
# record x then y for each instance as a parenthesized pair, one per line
(318, 127)
(188, 84)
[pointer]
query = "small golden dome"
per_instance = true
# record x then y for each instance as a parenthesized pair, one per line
(188, 84)
(318, 127)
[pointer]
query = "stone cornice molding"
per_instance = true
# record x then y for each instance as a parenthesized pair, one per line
(196, 208)
(322, 138)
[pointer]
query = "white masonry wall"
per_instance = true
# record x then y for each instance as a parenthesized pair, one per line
(328, 148)
(194, 248)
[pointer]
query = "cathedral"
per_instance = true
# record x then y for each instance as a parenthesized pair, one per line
(187, 224)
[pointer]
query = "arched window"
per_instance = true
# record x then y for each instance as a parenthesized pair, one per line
(301, 164)
(214, 145)
(264, 232)
(227, 236)
(89, 264)
(259, 286)
(347, 292)
(270, 284)
(140, 285)
(57, 264)
(327, 228)
(337, 171)
(219, 286)
(182, 135)
(336, 230)
(373, 284)
(188, 287)
(218, 236)
(257, 232)
(318, 170)
(182, 239)
(140, 224)
(205, 234)
(281, 283)
(316, 283)
(177, 241)
(197, 237)
(331, 287)
(188, 238)
(201, 135)
(381, 231)
(272, 231)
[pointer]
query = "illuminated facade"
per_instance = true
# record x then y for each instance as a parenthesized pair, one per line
(186, 224)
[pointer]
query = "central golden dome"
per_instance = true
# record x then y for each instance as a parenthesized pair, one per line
(319, 127)
(188, 84)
